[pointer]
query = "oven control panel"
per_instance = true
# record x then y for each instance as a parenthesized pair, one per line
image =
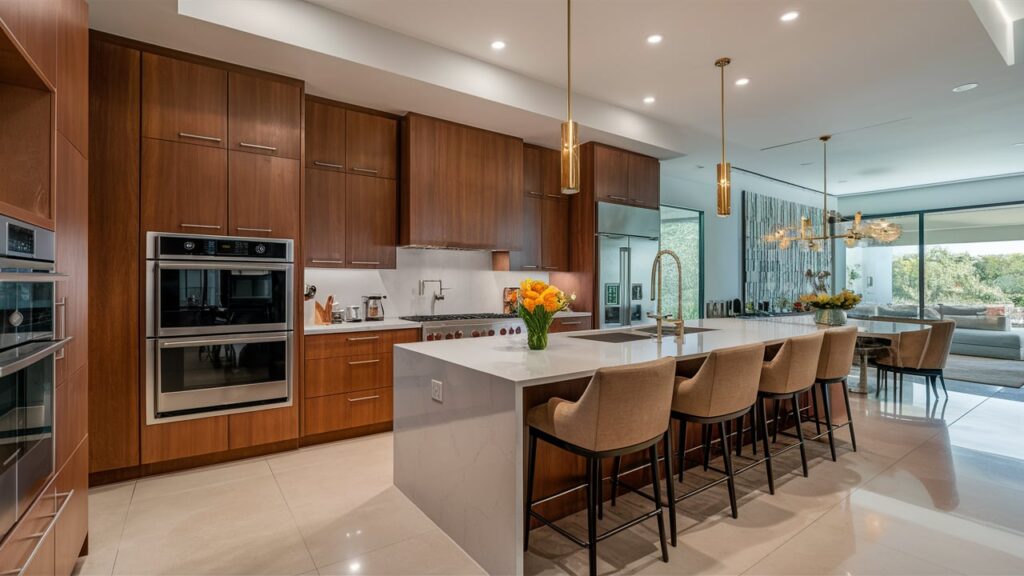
(224, 248)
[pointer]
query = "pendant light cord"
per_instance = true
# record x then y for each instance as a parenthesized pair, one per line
(568, 57)
(722, 93)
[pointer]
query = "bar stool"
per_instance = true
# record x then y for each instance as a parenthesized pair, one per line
(785, 377)
(919, 354)
(837, 351)
(623, 410)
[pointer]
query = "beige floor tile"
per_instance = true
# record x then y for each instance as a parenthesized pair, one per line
(429, 553)
(167, 484)
(376, 449)
(237, 527)
(108, 509)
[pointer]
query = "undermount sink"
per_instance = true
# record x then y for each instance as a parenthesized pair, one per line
(668, 330)
(613, 337)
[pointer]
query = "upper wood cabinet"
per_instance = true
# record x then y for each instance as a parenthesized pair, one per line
(73, 74)
(461, 186)
(624, 177)
(325, 136)
(555, 234)
(34, 23)
(264, 115)
(353, 141)
(26, 143)
(371, 213)
(325, 219)
(545, 214)
(183, 101)
(184, 188)
(263, 194)
(529, 257)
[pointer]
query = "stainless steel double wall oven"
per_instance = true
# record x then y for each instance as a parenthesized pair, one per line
(219, 321)
(29, 347)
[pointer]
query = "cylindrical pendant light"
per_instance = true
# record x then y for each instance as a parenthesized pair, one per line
(570, 130)
(723, 170)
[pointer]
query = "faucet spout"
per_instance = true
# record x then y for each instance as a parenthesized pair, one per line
(657, 288)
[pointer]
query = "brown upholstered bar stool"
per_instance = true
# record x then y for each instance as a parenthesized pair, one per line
(785, 377)
(918, 354)
(837, 349)
(724, 387)
(623, 410)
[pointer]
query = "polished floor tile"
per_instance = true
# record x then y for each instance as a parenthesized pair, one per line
(936, 487)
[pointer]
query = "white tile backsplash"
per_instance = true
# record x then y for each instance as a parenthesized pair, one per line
(474, 286)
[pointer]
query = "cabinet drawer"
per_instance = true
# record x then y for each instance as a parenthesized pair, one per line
(347, 374)
(341, 411)
(570, 324)
(73, 523)
(30, 535)
(347, 344)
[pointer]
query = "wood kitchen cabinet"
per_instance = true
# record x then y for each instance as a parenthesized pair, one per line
(34, 24)
(371, 144)
(624, 177)
(264, 115)
(529, 258)
(184, 188)
(461, 186)
(555, 234)
(545, 215)
(570, 324)
(371, 206)
(73, 74)
(26, 140)
(325, 219)
(183, 101)
(325, 135)
(72, 254)
(262, 195)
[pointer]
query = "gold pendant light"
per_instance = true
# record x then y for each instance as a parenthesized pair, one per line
(570, 130)
(723, 170)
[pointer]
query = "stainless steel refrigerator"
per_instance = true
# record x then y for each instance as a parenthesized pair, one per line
(627, 242)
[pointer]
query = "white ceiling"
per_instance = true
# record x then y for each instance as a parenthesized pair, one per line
(843, 65)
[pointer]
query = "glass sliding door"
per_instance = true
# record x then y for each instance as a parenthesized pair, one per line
(974, 267)
(888, 275)
(682, 231)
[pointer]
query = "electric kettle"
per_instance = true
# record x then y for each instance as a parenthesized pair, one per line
(373, 307)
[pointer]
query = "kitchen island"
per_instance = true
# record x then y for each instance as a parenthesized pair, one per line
(459, 455)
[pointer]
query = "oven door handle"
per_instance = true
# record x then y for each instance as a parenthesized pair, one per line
(22, 362)
(223, 266)
(166, 344)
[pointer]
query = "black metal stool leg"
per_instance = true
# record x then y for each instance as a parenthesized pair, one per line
(616, 467)
(682, 449)
(762, 411)
(530, 468)
(942, 378)
(878, 381)
(670, 484)
(817, 415)
(753, 429)
(739, 434)
(600, 490)
(800, 432)
(653, 451)
(775, 431)
(727, 457)
(592, 514)
(705, 432)
(826, 399)
(849, 416)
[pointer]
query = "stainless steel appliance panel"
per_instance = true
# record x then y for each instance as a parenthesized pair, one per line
(622, 220)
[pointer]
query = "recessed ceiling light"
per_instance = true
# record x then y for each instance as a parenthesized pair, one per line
(498, 45)
(789, 16)
(966, 87)
(743, 81)
(654, 39)
(648, 99)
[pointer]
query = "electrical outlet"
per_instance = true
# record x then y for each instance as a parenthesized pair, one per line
(437, 391)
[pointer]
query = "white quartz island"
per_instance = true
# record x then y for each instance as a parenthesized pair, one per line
(461, 459)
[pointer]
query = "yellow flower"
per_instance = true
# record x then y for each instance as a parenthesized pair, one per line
(538, 286)
(529, 305)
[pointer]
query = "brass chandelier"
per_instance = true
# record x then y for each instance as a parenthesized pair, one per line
(881, 230)
(570, 176)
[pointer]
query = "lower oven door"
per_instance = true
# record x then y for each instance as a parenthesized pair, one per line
(215, 373)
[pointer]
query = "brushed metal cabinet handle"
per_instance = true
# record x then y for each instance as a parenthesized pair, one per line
(556, 196)
(530, 266)
(327, 261)
(364, 398)
(257, 146)
(63, 305)
(364, 338)
(205, 226)
(40, 536)
(366, 263)
(365, 170)
(198, 137)
(551, 267)
(623, 198)
(327, 165)
(537, 194)
(355, 362)
(267, 230)
(571, 323)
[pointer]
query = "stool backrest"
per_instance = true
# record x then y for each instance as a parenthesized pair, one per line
(725, 383)
(910, 347)
(622, 406)
(939, 343)
(795, 367)
(837, 349)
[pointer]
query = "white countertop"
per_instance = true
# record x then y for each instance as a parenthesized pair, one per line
(567, 357)
(364, 326)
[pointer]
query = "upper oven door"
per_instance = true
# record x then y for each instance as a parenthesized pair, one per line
(188, 298)
(26, 309)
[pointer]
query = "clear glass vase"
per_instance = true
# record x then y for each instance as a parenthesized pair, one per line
(537, 338)
(830, 317)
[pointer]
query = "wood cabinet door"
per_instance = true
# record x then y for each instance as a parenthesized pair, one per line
(325, 219)
(529, 257)
(72, 526)
(72, 211)
(555, 233)
(611, 174)
(263, 426)
(183, 101)
(263, 195)
(644, 181)
(371, 144)
(73, 73)
(184, 188)
(325, 136)
(26, 141)
(371, 206)
(34, 24)
(506, 204)
(264, 115)
(424, 200)
(341, 411)
(326, 376)
(533, 168)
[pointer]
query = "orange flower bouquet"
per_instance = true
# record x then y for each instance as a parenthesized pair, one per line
(538, 304)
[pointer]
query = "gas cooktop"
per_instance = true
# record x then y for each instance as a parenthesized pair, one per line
(450, 317)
